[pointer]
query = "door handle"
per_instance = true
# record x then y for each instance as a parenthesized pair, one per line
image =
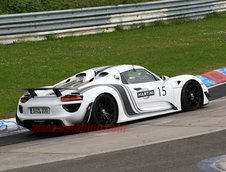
(137, 89)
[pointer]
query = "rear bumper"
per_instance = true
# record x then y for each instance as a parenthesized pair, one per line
(29, 122)
(57, 110)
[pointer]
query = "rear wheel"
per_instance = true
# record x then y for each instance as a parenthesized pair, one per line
(191, 96)
(104, 111)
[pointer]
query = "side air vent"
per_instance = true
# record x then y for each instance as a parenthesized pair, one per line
(102, 74)
(178, 82)
(71, 107)
(20, 109)
(207, 94)
(68, 80)
(91, 79)
(80, 75)
(173, 107)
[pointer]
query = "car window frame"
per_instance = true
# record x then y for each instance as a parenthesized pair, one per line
(124, 81)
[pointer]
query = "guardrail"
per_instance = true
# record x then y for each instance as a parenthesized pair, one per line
(35, 26)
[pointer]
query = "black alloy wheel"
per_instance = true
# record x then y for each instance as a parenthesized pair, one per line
(104, 111)
(191, 96)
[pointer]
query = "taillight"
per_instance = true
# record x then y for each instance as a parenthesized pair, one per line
(24, 99)
(70, 98)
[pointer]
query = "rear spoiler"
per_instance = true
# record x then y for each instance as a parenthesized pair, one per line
(55, 90)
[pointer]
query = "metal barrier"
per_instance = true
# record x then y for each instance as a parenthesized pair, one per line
(35, 26)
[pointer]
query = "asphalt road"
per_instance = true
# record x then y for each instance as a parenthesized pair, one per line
(180, 155)
(174, 156)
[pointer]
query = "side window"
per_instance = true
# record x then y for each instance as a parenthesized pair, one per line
(137, 76)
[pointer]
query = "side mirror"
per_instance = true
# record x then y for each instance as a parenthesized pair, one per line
(165, 78)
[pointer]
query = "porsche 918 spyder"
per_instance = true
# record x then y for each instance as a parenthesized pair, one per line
(108, 95)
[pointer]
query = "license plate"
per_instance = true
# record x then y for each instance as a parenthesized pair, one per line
(40, 110)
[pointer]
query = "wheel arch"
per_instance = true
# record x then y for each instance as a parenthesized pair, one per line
(178, 83)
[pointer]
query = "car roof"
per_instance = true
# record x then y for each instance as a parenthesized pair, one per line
(119, 68)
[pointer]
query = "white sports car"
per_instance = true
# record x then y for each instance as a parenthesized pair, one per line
(109, 95)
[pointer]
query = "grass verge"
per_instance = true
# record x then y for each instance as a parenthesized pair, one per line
(25, 6)
(192, 47)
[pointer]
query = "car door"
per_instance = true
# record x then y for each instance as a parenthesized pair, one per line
(147, 91)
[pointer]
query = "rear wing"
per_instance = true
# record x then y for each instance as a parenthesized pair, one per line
(55, 90)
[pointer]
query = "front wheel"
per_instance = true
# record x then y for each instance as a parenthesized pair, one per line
(191, 96)
(104, 111)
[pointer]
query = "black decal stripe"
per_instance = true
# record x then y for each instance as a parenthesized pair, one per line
(125, 100)
(87, 88)
(131, 97)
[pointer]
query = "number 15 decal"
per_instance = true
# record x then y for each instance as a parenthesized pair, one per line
(162, 91)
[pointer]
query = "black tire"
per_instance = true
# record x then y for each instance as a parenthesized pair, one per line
(104, 111)
(191, 96)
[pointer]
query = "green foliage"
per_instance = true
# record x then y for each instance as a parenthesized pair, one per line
(51, 37)
(215, 14)
(181, 20)
(119, 28)
(137, 26)
(22, 6)
(159, 23)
